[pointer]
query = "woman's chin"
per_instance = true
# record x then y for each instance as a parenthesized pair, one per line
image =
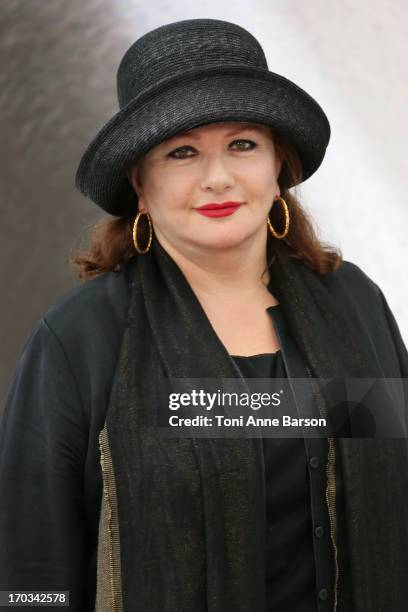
(228, 241)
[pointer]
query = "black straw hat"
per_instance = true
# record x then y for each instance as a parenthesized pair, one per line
(186, 74)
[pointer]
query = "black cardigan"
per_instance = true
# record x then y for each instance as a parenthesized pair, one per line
(68, 362)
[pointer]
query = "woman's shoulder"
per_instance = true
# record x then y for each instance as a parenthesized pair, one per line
(75, 344)
(357, 296)
(363, 302)
(352, 284)
(349, 272)
(92, 305)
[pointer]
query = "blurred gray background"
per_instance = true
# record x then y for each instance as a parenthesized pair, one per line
(58, 65)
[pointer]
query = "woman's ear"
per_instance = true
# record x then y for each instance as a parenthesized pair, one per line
(132, 175)
(134, 180)
(278, 151)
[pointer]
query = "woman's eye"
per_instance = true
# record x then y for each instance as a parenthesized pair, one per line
(250, 142)
(179, 153)
(180, 149)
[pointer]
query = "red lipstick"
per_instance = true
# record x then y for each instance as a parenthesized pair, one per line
(223, 209)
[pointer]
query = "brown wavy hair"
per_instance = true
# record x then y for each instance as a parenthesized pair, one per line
(111, 243)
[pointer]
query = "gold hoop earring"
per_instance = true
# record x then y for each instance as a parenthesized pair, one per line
(135, 241)
(286, 213)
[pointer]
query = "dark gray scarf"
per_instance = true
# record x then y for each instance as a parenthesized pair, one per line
(191, 512)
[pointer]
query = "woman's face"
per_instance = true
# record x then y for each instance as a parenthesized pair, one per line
(215, 163)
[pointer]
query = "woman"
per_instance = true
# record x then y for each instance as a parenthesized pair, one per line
(101, 505)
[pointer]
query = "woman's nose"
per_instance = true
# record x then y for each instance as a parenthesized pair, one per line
(216, 174)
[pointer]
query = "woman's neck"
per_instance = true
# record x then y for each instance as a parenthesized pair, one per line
(224, 275)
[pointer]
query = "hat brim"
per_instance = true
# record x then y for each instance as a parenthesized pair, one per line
(236, 94)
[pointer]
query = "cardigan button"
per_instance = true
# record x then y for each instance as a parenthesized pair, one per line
(319, 531)
(323, 594)
(314, 462)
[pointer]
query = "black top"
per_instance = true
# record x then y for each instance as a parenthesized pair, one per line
(290, 575)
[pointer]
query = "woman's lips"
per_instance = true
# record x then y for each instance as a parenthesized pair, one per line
(222, 211)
